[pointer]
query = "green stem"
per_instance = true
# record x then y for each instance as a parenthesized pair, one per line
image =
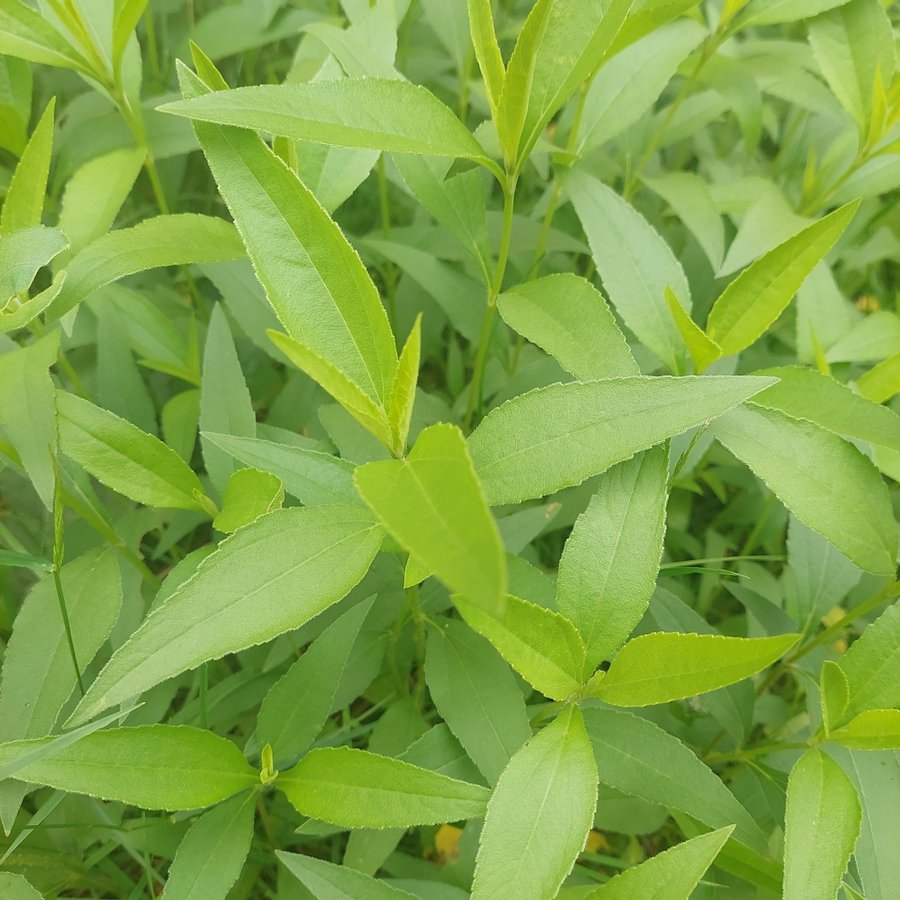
(58, 550)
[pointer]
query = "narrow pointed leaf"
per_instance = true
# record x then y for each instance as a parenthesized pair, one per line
(484, 40)
(24, 201)
(403, 390)
(25, 33)
(703, 350)
(325, 879)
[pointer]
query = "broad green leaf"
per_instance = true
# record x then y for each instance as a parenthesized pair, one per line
(760, 294)
(560, 435)
(22, 253)
(481, 27)
(882, 382)
(359, 789)
(432, 504)
(313, 278)
(24, 201)
(637, 757)
(211, 855)
(225, 404)
(250, 494)
(664, 666)
(568, 317)
(270, 577)
(874, 729)
(124, 458)
(152, 766)
(609, 564)
(295, 709)
(380, 113)
(27, 411)
(808, 394)
(326, 880)
(313, 477)
(541, 645)
(403, 391)
(16, 887)
(539, 814)
(171, 240)
(25, 33)
(635, 264)
(702, 349)
(872, 666)
(476, 695)
(821, 827)
(827, 483)
(672, 874)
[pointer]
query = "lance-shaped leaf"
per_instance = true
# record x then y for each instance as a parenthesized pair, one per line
(761, 293)
(268, 578)
(539, 815)
(558, 436)
(22, 253)
(487, 52)
(610, 561)
(403, 391)
(432, 504)
(824, 481)
(664, 666)
(313, 278)
(874, 729)
(325, 879)
(123, 457)
(359, 789)
(153, 766)
(703, 351)
(172, 240)
(568, 317)
(24, 201)
(25, 33)
(821, 827)
(672, 874)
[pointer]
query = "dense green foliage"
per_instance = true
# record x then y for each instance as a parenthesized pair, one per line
(448, 450)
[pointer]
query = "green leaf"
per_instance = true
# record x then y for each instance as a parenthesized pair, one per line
(635, 264)
(326, 880)
(821, 827)
(541, 645)
(173, 240)
(123, 457)
(568, 317)
(874, 729)
(672, 874)
(25, 33)
(249, 495)
(834, 693)
(152, 766)
(127, 15)
(487, 52)
(359, 789)
(380, 113)
(432, 504)
(827, 483)
(20, 316)
(16, 887)
(664, 666)
(637, 757)
(539, 814)
(270, 577)
(761, 293)
(560, 435)
(211, 855)
(24, 201)
(476, 695)
(704, 352)
(773, 12)
(22, 253)
(403, 391)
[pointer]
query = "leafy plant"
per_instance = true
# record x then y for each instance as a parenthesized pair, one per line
(321, 578)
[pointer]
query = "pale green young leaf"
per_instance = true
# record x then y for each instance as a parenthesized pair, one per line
(22, 253)
(27, 412)
(250, 493)
(24, 201)
(326, 880)
(16, 887)
(827, 483)
(476, 695)
(25, 33)
(760, 294)
(882, 382)
(609, 564)
(541, 645)
(211, 855)
(636, 756)
(874, 729)
(403, 391)
(13, 317)
(432, 504)
(487, 52)
(672, 874)
(127, 15)
(635, 264)
(664, 666)
(822, 823)
(296, 707)
(170, 240)
(359, 789)
(124, 458)
(558, 436)
(703, 350)
(165, 766)
(539, 814)
(313, 477)
(834, 693)
(568, 317)
(270, 577)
